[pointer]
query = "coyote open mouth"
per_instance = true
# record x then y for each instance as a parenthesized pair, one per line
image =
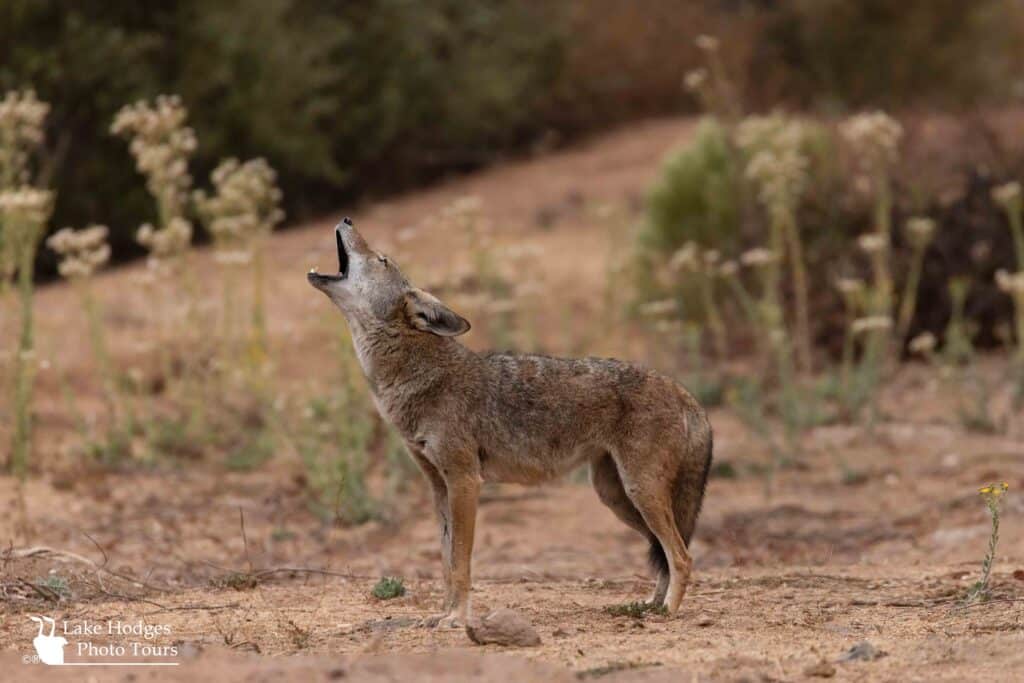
(342, 258)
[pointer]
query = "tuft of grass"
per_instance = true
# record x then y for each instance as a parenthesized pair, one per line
(110, 448)
(301, 637)
(852, 477)
(336, 433)
(239, 581)
(723, 469)
(389, 587)
(254, 451)
(56, 584)
(170, 436)
(993, 497)
(636, 610)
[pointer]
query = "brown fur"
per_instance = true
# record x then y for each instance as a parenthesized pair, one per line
(468, 417)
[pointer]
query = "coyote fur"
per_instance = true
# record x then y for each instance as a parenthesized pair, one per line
(469, 417)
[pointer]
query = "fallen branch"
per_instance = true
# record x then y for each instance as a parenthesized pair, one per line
(45, 592)
(45, 551)
(186, 608)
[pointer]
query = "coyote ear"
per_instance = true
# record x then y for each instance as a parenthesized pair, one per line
(427, 313)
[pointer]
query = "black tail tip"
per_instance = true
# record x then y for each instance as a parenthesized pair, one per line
(656, 557)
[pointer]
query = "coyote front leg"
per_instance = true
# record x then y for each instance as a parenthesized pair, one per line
(455, 502)
(439, 492)
(463, 495)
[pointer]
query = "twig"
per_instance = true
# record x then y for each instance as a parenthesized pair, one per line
(989, 602)
(185, 608)
(45, 592)
(122, 596)
(306, 570)
(42, 550)
(98, 547)
(245, 539)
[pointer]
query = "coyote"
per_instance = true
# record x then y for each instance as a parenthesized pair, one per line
(469, 417)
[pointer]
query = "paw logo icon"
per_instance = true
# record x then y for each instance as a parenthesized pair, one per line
(49, 648)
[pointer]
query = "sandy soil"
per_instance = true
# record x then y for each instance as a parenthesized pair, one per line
(785, 581)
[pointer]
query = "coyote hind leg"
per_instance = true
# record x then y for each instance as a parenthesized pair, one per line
(605, 478)
(653, 496)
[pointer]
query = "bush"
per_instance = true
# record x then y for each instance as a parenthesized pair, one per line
(881, 53)
(388, 588)
(972, 241)
(700, 198)
(697, 195)
(339, 97)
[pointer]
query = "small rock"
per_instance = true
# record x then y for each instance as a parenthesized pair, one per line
(861, 652)
(503, 627)
(559, 633)
(822, 670)
(705, 621)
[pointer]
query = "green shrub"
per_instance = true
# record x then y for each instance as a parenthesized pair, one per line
(341, 96)
(636, 610)
(333, 444)
(696, 198)
(878, 52)
(389, 587)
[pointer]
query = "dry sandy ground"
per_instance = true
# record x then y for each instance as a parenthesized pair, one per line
(784, 584)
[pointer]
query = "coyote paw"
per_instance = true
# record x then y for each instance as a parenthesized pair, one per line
(448, 620)
(451, 621)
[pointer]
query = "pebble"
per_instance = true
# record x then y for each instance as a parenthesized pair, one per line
(503, 627)
(820, 670)
(862, 651)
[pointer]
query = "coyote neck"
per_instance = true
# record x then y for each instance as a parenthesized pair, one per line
(398, 360)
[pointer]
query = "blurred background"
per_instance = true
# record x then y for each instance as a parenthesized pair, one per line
(364, 98)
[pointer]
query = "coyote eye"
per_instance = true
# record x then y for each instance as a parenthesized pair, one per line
(383, 259)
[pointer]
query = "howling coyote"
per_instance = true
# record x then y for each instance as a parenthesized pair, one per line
(468, 417)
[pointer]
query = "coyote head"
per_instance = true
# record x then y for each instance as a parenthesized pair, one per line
(370, 289)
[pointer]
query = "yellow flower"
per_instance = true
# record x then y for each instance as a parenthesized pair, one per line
(994, 491)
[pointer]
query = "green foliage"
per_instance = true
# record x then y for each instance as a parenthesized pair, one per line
(883, 53)
(254, 450)
(696, 197)
(340, 95)
(993, 497)
(55, 584)
(333, 444)
(263, 81)
(239, 581)
(723, 469)
(704, 381)
(636, 610)
(111, 448)
(389, 587)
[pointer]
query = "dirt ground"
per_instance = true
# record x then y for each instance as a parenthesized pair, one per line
(244, 583)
